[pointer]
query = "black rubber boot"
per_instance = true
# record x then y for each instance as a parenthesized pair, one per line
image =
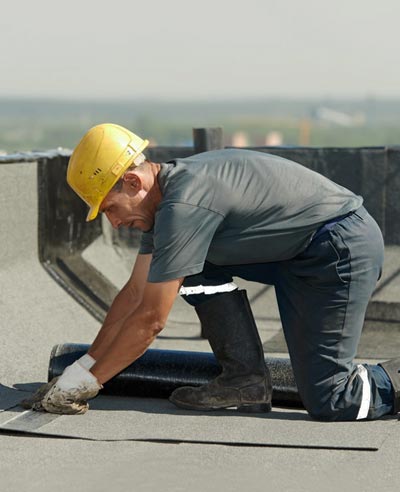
(392, 369)
(245, 381)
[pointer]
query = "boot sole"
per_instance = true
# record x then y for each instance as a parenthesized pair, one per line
(245, 408)
(255, 408)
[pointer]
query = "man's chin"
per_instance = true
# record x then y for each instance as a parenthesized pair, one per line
(140, 226)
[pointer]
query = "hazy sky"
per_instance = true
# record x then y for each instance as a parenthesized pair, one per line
(183, 49)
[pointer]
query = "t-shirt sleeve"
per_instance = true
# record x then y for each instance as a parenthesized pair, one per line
(182, 236)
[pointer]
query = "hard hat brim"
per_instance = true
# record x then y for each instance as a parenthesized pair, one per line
(93, 213)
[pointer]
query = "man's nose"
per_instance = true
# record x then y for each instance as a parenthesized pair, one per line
(115, 222)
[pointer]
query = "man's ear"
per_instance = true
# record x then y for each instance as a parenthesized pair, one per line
(132, 180)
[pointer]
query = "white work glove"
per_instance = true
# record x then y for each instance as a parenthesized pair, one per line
(69, 394)
(87, 361)
(35, 401)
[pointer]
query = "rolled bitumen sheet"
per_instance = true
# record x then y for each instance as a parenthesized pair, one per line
(159, 372)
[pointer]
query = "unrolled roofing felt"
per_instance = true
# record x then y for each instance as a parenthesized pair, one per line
(123, 419)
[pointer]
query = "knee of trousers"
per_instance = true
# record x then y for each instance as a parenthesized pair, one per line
(330, 410)
(318, 402)
(324, 412)
(345, 398)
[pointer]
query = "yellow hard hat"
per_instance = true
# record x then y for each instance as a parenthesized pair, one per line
(99, 160)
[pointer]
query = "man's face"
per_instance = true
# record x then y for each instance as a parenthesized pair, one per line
(128, 208)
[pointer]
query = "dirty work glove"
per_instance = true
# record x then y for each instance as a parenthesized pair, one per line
(34, 401)
(69, 394)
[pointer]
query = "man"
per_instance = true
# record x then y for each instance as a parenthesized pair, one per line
(229, 213)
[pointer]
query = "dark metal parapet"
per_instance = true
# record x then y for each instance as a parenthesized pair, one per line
(33, 156)
(63, 233)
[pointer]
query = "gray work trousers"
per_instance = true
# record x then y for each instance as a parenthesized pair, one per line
(322, 296)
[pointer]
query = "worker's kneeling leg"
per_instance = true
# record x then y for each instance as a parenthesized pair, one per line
(323, 295)
(365, 392)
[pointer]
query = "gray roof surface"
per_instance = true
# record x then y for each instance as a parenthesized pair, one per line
(179, 450)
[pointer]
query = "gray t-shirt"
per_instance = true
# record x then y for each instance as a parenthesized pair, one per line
(235, 206)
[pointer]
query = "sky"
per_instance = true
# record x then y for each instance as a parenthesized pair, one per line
(202, 50)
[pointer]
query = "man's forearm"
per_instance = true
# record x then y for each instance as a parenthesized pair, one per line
(123, 306)
(135, 335)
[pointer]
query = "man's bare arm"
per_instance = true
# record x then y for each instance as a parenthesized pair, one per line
(124, 304)
(138, 330)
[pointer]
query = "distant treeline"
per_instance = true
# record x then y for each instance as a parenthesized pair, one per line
(43, 124)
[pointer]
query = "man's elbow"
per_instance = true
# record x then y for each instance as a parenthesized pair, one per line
(156, 327)
(152, 322)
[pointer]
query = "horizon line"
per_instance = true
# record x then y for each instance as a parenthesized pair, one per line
(214, 99)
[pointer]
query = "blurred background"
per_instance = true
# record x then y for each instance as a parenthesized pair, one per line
(310, 73)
